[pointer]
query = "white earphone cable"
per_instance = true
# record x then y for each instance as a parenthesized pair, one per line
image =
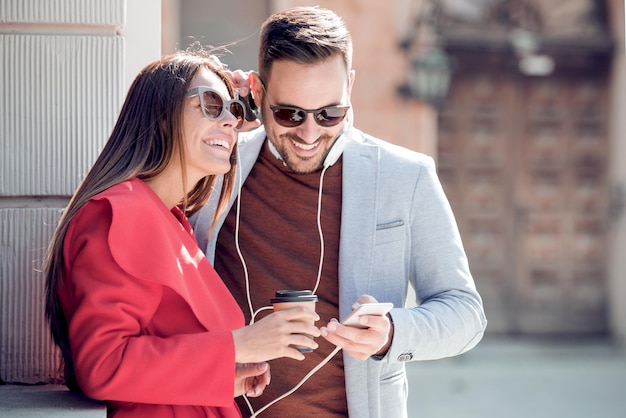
(319, 230)
(296, 387)
(247, 279)
(237, 220)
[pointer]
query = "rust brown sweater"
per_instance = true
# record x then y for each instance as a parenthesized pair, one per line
(280, 243)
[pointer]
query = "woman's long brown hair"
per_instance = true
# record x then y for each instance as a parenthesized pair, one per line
(148, 130)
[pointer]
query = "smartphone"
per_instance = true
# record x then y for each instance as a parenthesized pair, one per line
(252, 111)
(380, 309)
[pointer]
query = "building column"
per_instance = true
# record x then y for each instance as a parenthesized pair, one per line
(64, 68)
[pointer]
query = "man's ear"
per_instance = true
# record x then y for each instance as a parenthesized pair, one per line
(256, 87)
(351, 77)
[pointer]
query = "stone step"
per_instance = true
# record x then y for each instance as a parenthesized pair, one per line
(47, 401)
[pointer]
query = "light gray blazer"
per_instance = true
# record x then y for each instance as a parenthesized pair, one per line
(396, 228)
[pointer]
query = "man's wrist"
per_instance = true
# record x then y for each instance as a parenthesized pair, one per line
(382, 351)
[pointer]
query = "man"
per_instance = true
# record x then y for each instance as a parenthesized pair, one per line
(360, 223)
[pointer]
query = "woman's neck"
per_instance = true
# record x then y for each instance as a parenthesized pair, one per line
(168, 186)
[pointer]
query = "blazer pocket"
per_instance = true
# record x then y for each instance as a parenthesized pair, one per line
(390, 231)
(393, 375)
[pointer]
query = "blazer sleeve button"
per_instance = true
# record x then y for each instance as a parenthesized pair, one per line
(405, 357)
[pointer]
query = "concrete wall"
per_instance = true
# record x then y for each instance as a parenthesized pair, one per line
(65, 66)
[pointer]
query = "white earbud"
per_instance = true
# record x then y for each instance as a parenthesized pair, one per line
(336, 149)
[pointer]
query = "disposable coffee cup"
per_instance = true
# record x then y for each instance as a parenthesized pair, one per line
(286, 299)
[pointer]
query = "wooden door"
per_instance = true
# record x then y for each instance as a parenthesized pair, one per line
(524, 163)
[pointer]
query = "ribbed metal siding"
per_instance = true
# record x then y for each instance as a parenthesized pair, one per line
(60, 97)
(63, 11)
(61, 88)
(28, 355)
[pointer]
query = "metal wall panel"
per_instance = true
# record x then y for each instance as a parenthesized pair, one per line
(108, 12)
(61, 87)
(27, 352)
(60, 97)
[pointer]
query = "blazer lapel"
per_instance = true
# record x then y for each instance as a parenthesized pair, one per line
(358, 220)
(356, 250)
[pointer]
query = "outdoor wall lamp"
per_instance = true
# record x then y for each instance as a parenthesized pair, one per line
(429, 76)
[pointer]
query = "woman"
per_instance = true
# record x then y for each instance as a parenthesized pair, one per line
(142, 319)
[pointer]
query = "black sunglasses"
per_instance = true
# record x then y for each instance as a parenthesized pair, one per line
(290, 116)
(213, 105)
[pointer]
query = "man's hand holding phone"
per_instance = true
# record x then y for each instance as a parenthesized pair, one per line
(367, 331)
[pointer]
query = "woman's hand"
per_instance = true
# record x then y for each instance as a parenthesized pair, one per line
(251, 379)
(273, 336)
(244, 83)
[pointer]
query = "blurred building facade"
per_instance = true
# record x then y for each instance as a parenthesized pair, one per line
(524, 146)
(530, 155)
